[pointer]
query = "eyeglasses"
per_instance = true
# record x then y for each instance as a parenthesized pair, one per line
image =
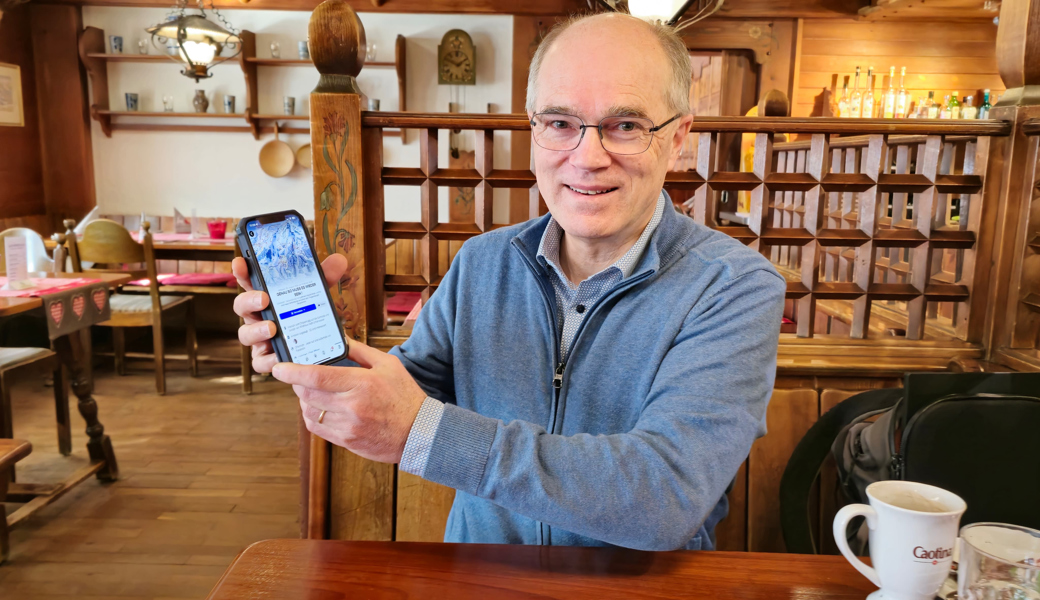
(617, 135)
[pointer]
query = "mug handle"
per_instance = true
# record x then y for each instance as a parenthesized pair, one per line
(841, 522)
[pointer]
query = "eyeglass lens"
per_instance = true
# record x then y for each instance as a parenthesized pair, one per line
(619, 135)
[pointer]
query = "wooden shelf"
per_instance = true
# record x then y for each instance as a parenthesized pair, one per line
(94, 58)
(297, 62)
(282, 117)
(147, 58)
(191, 115)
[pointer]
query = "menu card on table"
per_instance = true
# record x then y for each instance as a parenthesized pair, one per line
(16, 256)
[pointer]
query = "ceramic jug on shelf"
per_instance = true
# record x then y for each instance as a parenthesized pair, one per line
(200, 102)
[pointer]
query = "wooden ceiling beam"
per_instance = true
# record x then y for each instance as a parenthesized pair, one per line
(488, 7)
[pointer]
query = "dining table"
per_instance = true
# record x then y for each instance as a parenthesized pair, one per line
(327, 569)
(74, 351)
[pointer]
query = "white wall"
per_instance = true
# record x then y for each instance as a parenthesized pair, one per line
(218, 174)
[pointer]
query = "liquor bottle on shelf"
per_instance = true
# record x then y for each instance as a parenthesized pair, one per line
(867, 112)
(890, 95)
(969, 110)
(944, 110)
(955, 106)
(902, 98)
(985, 106)
(932, 108)
(843, 102)
(856, 101)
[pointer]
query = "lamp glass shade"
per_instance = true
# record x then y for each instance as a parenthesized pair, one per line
(663, 10)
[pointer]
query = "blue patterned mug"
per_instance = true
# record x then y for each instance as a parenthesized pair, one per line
(116, 41)
(131, 102)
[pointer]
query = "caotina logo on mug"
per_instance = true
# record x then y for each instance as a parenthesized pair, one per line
(932, 556)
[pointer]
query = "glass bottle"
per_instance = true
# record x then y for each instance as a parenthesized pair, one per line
(843, 102)
(944, 109)
(985, 106)
(856, 101)
(969, 110)
(868, 97)
(902, 99)
(933, 107)
(955, 106)
(890, 95)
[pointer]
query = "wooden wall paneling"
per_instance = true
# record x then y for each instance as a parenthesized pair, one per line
(778, 70)
(21, 170)
(61, 87)
(731, 532)
(940, 56)
(527, 32)
(767, 462)
(738, 82)
(830, 495)
(790, 414)
(422, 509)
(376, 253)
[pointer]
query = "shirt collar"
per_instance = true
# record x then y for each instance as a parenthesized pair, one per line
(549, 247)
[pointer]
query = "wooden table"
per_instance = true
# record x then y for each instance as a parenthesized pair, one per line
(202, 248)
(73, 350)
(312, 569)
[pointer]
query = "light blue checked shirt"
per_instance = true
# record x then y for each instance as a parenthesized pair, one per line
(572, 304)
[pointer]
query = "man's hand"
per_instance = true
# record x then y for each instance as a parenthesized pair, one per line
(369, 410)
(256, 332)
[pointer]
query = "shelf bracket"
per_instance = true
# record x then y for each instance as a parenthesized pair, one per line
(92, 40)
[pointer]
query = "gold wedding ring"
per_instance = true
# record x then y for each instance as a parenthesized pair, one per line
(321, 416)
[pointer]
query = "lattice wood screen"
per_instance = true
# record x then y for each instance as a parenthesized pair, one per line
(882, 227)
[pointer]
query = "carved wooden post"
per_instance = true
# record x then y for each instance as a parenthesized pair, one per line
(348, 497)
(1006, 197)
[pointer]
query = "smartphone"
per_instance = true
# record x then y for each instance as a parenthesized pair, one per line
(282, 262)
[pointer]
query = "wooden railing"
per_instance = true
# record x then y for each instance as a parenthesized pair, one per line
(882, 228)
(1018, 328)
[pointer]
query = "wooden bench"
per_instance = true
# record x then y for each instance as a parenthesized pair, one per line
(11, 451)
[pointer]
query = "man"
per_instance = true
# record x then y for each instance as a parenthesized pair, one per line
(592, 378)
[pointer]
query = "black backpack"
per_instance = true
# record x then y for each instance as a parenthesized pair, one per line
(982, 447)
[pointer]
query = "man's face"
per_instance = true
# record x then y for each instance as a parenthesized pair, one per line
(601, 68)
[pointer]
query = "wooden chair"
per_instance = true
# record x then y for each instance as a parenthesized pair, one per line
(109, 243)
(11, 451)
(36, 252)
(15, 359)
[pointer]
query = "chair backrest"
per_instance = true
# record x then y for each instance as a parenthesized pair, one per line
(109, 243)
(983, 448)
(809, 455)
(36, 252)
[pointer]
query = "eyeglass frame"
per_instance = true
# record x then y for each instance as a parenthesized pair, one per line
(599, 127)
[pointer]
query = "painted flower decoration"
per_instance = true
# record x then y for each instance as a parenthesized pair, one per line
(335, 124)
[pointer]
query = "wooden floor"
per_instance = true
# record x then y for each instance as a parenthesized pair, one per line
(205, 471)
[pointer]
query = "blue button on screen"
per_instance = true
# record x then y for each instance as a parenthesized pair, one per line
(296, 311)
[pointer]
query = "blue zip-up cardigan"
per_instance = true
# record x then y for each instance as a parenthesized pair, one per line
(664, 391)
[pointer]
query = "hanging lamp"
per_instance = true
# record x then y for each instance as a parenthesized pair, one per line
(199, 40)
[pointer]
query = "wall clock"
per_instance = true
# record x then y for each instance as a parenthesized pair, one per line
(457, 59)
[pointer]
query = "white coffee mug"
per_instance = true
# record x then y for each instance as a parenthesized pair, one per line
(913, 531)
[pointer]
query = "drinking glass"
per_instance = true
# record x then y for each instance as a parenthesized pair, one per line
(999, 562)
(142, 46)
(289, 105)
(276, 50)
(370, 52)
(167, 103)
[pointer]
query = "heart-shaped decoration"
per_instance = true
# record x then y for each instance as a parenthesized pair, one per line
(99, 296)
(57, 310)
(79, 305)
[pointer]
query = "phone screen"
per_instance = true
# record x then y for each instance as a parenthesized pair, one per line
(297, 290)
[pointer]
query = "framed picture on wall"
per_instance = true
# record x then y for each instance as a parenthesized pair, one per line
(11, 113)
